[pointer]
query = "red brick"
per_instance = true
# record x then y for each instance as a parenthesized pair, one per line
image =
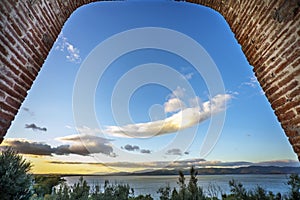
(2, 94)
(13, 102)
(295, 93)
(5, 79)
(290, 133)
(278, 103)
(286, 80)
(26, 79)
(295, 140)
(291, 86)
(272, 90)
(8, 108)
(298, 110)
(16, 29)
(296, 63)
(6, 116)
(11, 92)
(10, 66)
(20, 90)
(288, 105)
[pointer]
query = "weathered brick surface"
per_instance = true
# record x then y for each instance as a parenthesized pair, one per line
(268, 31)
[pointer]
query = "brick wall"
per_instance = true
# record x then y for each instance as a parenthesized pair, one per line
(268, 31)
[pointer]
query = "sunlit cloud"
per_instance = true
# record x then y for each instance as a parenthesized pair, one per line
(183, 119)
(35, 127)
(28, 147)
(65, 45)
(89, 145)
(85, 144)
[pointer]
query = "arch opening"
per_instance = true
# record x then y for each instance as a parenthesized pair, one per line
(268, 32)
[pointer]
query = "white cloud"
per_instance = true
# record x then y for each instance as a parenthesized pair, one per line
(183, 119)
(68, 127)
(65, 45)
(233, 93)
(189, 76)
(179, 92)
(88, 131)
(173, 105)
(253, 83)
(195, 102)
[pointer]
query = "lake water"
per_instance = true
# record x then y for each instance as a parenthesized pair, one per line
(150, 184)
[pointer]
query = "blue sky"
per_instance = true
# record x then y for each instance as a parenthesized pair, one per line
(250, 133)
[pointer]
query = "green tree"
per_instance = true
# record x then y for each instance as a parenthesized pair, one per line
(44, 184)
(237, 190)
(164, 192)
(63, 193)
(192, 186)
(175, 195)
(294, 183)
(142, 197)
(80, 190)
(15, 179)
(182, 186)
(260, 193)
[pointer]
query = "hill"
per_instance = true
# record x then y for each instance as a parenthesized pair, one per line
(219, 171)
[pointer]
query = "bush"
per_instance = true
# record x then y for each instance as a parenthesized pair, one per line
(15, 179)
(44, 185)
(186, 192)
(294, 183)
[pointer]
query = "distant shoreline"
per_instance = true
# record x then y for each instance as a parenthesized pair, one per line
(201, 171)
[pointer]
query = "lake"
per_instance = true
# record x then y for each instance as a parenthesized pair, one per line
(150, 184)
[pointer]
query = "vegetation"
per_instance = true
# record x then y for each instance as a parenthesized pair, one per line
(17, 183)
(82, 191)
(15, 179)
(44, 184)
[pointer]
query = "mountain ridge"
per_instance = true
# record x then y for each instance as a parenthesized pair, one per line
(217, 171)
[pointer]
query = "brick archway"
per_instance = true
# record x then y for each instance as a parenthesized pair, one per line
(268, 31)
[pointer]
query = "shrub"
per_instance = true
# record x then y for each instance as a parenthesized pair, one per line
(294, 184)
(15, 179)
(44, 185)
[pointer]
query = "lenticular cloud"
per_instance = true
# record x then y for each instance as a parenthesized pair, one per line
(184, 118)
